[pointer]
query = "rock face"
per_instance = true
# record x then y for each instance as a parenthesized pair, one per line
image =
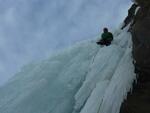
(139, 100)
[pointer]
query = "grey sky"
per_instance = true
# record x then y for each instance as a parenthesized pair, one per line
(33, 29)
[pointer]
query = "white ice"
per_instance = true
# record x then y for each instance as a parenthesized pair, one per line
(84, 78)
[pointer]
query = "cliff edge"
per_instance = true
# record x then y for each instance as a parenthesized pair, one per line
(138, 101)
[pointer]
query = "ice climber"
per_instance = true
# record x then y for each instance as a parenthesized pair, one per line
(106, 38)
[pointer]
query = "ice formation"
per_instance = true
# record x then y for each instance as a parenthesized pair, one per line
(84, 78)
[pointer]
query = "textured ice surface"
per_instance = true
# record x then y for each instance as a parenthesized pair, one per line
(85, 78)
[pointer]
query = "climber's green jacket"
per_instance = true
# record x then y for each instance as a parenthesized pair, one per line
(107, 36)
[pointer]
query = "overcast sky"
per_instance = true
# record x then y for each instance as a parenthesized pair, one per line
(31, 30)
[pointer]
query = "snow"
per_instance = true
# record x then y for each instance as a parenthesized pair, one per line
(84, 78)
(137, 9)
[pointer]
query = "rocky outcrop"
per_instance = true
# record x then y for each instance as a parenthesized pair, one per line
(139, 100)
(131, 15)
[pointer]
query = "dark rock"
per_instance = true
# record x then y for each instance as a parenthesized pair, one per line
(130, 16)
(143, 3)
(141, 39)
(138, 101)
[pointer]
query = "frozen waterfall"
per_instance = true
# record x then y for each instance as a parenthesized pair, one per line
(84, 78)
